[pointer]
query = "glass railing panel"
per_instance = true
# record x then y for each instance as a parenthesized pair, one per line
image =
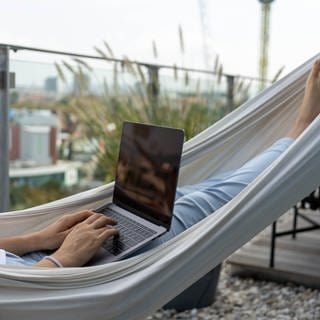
(66, 116)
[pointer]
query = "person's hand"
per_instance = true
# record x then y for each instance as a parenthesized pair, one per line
(84, 240)
(51, 237)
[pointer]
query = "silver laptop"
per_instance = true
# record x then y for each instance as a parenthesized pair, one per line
(145, 187)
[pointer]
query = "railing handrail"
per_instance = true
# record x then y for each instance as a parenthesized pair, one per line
(146, 64)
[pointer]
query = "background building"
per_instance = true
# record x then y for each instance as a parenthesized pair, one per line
(33, 137)
(33, 150)
(51, 84)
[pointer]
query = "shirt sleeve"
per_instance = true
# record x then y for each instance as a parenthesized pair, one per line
(29, 259)
(2, 257)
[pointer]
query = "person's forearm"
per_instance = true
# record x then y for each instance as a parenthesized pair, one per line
(58, 259)
(52, 261)
(45, 263)
(21, 245)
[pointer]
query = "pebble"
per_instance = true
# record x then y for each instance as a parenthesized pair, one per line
(248, 299)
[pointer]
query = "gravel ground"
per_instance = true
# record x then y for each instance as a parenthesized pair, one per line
(242, 299)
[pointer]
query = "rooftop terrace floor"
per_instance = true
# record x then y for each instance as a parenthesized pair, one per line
(296, 260)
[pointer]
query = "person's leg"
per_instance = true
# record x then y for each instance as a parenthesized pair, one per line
(253, 165)
(194, 206)
(197, 205)
(187, 189)
(310, 107)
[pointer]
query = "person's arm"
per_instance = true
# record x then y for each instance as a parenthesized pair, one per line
(81, 243)
(49, 238)
(20, 245)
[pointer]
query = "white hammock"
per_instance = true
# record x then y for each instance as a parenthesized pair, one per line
(134, 288)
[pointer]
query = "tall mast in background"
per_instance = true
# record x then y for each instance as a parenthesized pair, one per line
(264, 41)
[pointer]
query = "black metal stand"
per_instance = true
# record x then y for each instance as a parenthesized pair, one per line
(312, 202)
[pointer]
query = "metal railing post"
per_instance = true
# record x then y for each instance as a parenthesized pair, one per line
(153, 83)
(4, 128)
(230, 93)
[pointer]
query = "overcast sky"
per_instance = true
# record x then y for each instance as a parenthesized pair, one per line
(130, 26)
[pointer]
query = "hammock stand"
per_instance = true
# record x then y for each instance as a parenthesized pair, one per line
(134, 288)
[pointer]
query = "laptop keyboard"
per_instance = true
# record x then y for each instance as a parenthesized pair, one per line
(131, 233)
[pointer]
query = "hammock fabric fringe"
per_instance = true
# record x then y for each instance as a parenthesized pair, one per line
(134, 288)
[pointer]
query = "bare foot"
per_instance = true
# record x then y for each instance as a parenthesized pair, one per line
(310, 106)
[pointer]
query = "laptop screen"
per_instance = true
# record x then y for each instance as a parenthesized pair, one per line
(147, 171)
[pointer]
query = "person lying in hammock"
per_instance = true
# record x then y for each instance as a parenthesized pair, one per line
(75, 238)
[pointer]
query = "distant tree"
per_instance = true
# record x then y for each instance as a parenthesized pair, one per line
(27, 196)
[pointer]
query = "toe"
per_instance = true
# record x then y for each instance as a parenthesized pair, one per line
(315, 69)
